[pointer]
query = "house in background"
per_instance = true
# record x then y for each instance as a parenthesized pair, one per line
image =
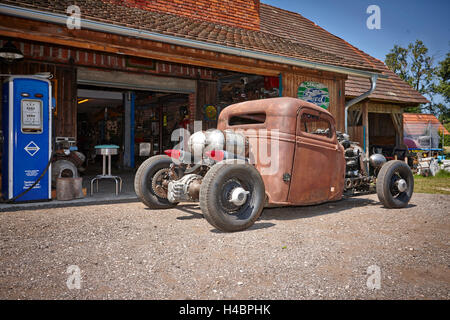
(137, 69)
(422, 131)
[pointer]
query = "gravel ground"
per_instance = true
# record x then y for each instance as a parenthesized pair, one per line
(125, 251)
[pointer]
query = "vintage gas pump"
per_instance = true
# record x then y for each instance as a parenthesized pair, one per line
(27, 138)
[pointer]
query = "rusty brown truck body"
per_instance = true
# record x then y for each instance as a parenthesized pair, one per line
(271, 152)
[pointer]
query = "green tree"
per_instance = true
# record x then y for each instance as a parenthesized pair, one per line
(443, 73)
(397, 61)
(415, 66)
(422, 69)
(442, 87)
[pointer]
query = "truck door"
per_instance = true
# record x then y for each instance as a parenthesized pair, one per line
(315, 166)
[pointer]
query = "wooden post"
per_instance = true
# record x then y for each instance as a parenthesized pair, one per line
(398, 125)
(128, 158)
(160, 117)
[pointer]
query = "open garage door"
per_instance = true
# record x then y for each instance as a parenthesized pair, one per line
(132, 81)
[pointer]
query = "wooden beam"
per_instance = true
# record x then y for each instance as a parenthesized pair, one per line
(354, 115)
(396, 122)
(358, 116)
(319, 73)
(350, 117)
(398, 125)
(98, 41)
(384, 108)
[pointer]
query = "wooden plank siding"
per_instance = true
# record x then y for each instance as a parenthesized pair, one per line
(377, 107)
(356, 134)
(336, 87)
(65, 121)
(18, 28)
(206, 94)
(383, 129)
(111, 45)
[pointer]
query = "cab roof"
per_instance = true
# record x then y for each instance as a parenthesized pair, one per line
(281, 113)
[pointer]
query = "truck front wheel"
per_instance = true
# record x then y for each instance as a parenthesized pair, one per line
(232, 196)
(395, 184)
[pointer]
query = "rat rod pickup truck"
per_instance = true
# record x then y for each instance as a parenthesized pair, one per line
(271, 152)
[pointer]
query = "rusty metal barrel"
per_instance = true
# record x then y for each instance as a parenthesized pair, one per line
(69, 188)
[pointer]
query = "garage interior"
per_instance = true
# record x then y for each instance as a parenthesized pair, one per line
(101, 120)
(140, 115)
(382, 134)
(378, 128)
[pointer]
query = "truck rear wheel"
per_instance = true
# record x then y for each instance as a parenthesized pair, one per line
(150, 182)
(395, 184)
(232, 196)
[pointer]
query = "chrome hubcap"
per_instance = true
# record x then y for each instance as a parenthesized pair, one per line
(401, 185)
(238, 196)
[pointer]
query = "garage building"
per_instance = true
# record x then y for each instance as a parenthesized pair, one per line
(138, 69)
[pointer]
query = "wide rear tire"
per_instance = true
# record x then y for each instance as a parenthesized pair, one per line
(143, 182)
(387, 190)
(215, 192)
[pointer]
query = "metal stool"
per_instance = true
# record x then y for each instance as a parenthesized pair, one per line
(107, 151)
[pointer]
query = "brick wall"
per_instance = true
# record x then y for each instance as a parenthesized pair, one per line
(237, 13)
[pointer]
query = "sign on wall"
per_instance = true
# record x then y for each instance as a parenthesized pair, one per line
(315, 93)
(210, 112)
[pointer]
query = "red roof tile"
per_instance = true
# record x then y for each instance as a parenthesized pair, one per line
(414, 120)
(294, 26)
(189, 28)
(282, 33)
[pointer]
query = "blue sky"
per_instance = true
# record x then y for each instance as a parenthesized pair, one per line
(402, 22)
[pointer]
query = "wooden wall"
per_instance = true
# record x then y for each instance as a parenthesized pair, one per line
(335, 85)
(382, 128)
(357, 134)
(206, 94)
(65, 120)
(394, 121)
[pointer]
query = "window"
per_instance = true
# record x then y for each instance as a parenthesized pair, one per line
(314, 124)
(243, 119)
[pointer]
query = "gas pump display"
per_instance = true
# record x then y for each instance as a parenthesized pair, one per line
(31, 116)
(27, 139)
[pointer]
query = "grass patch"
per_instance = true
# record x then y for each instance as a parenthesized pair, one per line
(437, 184)
(447, 152)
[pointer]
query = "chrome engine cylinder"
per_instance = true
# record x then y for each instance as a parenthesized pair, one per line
(377, 160)
(235, 142)
(185, 189)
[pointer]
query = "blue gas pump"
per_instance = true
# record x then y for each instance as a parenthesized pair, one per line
(26, 121)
